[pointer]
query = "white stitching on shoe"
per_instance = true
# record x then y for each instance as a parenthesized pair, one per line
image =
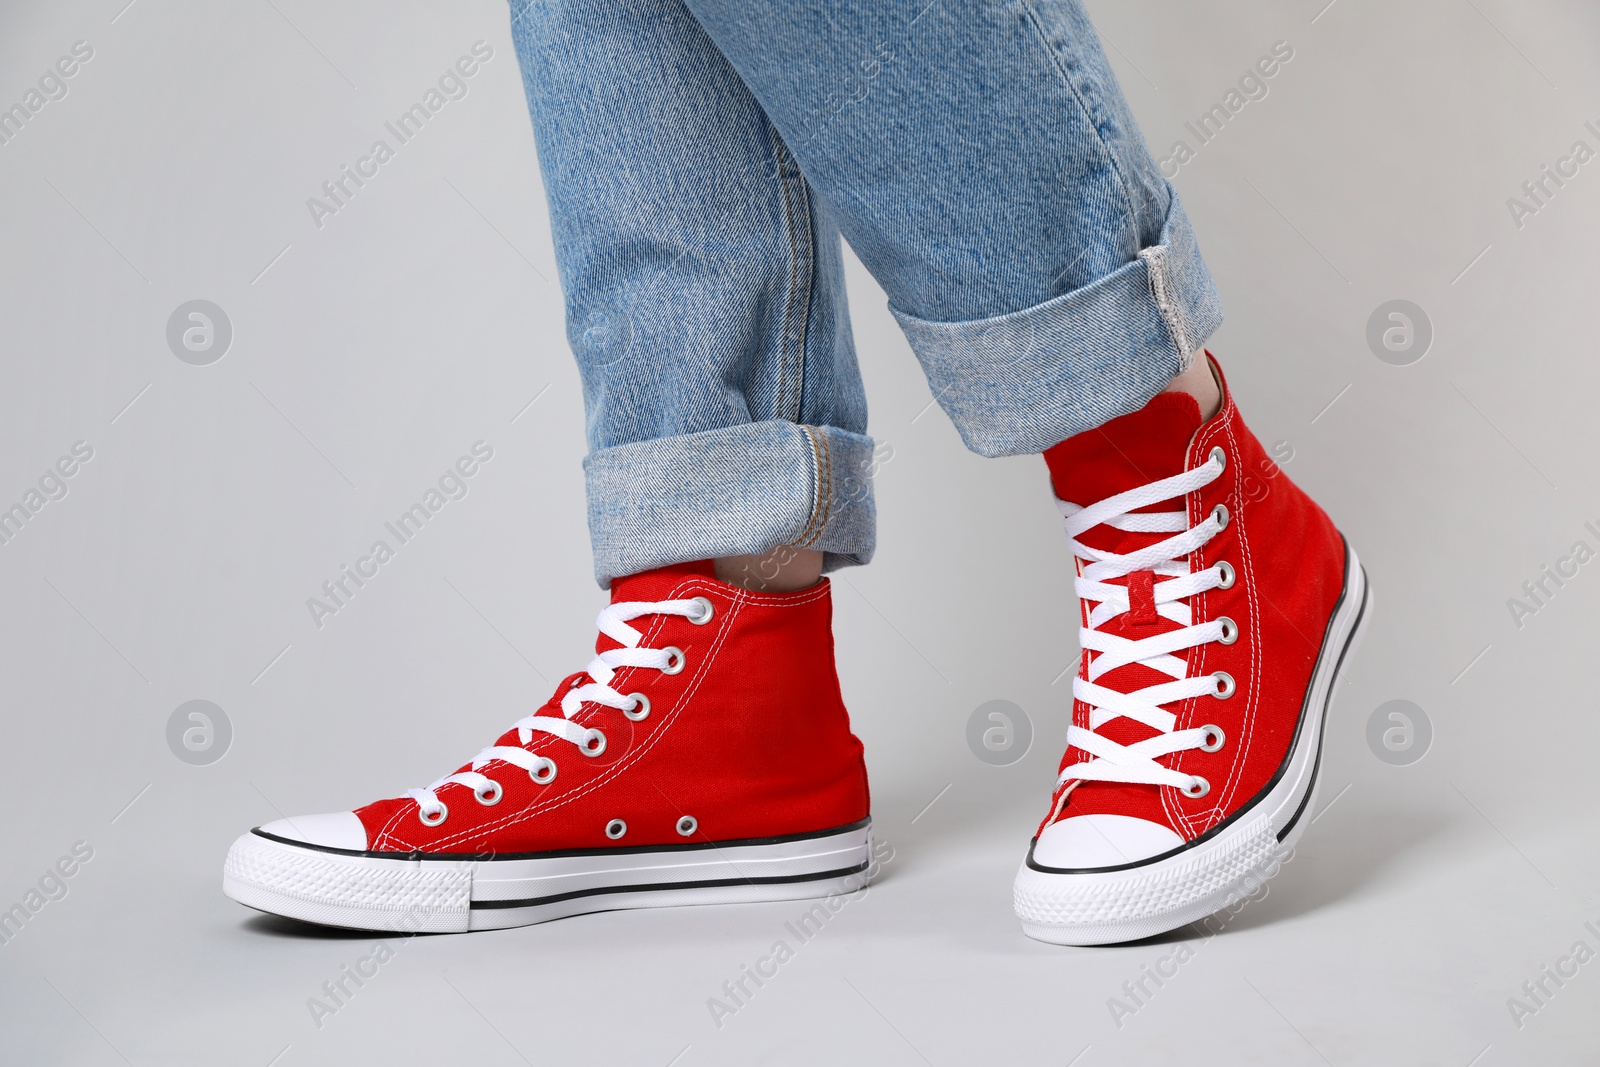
(631, 651)
(664, 725)
(1253, 698)
(740, 599)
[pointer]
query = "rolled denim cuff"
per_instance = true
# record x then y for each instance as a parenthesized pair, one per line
(740, 490)
(1022, 382)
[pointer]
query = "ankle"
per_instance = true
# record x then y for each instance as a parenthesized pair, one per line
(783, 570)
(1200, 382)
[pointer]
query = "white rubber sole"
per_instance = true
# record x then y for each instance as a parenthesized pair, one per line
(1126, 904)
(418, 894)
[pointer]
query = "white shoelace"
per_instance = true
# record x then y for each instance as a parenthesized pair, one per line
(613, 622)
(1111, 762)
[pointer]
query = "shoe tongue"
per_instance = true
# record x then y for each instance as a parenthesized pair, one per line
(1125, 453)
(659, 583)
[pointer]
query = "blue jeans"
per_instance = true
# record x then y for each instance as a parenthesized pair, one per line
(702, 158)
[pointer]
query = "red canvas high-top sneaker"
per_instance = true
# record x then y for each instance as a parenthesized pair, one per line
(704, 756)
(1217, 605)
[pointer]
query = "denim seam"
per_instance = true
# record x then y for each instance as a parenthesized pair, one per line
(816, 485)
(1089, 115)
(807, 242)
(822, 491)
(798, 295)
(1158, 270)
(782, 408)
(827, 485)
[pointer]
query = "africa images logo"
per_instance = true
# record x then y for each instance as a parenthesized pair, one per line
(52, 86)
(1252, 85)
(452, 85)
(452, 485)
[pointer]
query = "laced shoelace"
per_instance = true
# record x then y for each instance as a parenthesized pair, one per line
(1136, 763)
(613, 622)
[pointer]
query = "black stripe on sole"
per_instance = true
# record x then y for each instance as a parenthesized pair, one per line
(562, 853)
(706, 883)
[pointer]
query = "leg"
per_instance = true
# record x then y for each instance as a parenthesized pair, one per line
(705, 302)
(982, 162)
(705, 753)
(1199, 382)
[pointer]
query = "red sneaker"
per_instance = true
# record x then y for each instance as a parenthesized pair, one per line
(1212, 638)
(704, 756)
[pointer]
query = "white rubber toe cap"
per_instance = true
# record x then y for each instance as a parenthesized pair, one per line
(1102, 841)
(341, 829)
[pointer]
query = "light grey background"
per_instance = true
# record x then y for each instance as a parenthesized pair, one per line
(368, 354)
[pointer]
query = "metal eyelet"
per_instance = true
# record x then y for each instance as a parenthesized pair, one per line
(1230, 630)
(490, 797)
(1220, 513)
(707, 609)
(544, 779)
(593, 744)
(444, 813)
(641, 707)
(616, 828)
(1225, 570)
(676, 660)
(1226, 686)
(1215, 738)
(1197, 788)
(688, 825)
(1220, 457)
